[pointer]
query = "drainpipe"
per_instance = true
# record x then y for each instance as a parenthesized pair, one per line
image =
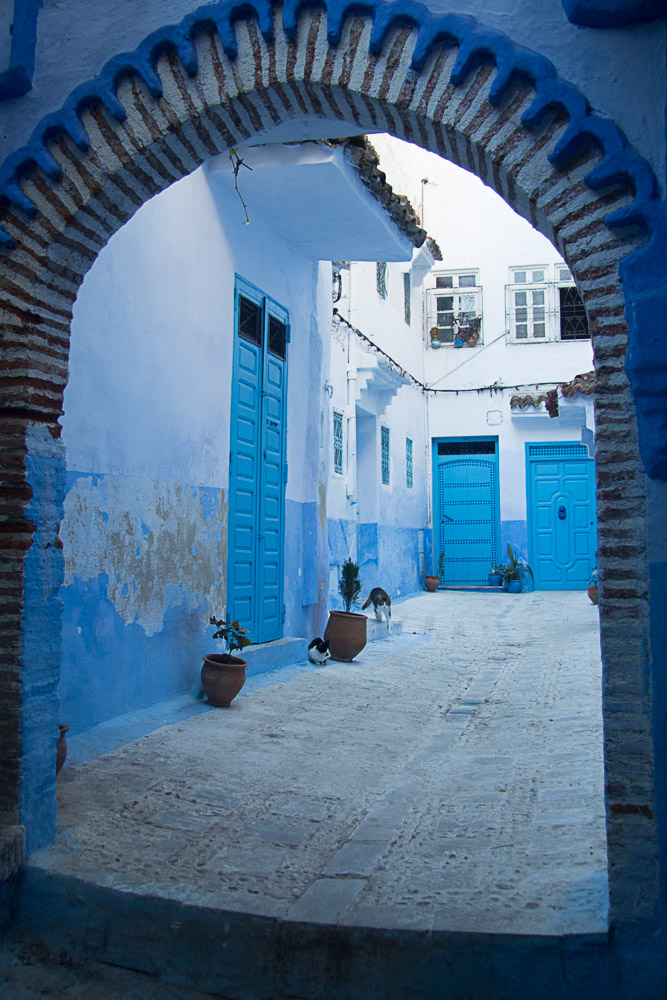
(351, 423)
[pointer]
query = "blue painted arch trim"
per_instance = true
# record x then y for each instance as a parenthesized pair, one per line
(16, 80)
(642, 271)
(476, 44)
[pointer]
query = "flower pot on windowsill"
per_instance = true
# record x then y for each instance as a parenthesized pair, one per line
(431, 583)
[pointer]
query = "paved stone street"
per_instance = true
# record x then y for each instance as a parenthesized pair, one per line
(448, 779)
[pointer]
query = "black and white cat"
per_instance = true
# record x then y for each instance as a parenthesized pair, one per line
(381, 602)
(318, 651)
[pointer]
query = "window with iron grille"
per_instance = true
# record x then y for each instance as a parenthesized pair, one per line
(408, 463)
(573, 319)
(338, 441)
(381, 278)
(384, 437)
(406, 296)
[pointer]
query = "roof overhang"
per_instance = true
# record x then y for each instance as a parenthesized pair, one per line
(312, 196)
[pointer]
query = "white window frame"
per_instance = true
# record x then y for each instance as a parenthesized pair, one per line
(535, 313)
(338, 413)
(461, 296)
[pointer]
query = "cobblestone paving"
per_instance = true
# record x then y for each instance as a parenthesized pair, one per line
(450, 778)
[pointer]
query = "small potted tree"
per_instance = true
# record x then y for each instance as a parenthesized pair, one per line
(346, 630)
(223, 675)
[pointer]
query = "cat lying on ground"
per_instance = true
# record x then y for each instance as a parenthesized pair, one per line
(318, 651)
(381, 602)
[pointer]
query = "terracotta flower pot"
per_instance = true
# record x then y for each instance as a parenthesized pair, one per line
(593, 593)
(222, 677)
(346, 632)
(431, 583)
(61, 748)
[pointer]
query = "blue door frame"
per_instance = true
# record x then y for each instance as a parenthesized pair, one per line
(257, 465)
(466, 508)
(562, 520)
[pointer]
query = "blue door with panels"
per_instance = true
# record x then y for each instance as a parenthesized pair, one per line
(257, 467)
(466, 509)
(562, 527)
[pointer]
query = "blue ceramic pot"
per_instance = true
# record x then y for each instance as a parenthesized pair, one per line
(513, 586)
(495, 579)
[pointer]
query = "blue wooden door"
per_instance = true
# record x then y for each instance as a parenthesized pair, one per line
(257, 468)
(466, 514)
(561, 514)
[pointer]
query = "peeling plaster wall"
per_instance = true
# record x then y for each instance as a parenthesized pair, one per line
(146, 427)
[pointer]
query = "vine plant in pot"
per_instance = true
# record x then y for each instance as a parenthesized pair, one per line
(433, 582)
(346, 630)
(223, 675)
(515, 571)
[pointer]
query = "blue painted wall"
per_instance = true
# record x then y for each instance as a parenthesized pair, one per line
(146, 426)
(387, 556)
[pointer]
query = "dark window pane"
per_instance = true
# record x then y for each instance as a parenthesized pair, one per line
(250, 320)
(277, 337)
(573, 320)
(466, 447)
(466, 281)
(445, 281)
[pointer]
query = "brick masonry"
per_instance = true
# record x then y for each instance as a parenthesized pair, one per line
(205, 112)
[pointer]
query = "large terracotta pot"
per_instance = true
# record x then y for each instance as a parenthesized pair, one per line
(61, 748)
(346, 632)
(222, 677)
(431, 583)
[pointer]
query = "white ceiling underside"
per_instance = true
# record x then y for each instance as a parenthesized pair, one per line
(312, 196)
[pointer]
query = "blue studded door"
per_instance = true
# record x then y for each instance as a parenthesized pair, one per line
(257, 467)
(466, 511)
(562, 522)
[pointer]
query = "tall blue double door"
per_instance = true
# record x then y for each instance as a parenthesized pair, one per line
(257, 464)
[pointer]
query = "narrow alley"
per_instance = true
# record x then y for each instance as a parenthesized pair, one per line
(450, 779)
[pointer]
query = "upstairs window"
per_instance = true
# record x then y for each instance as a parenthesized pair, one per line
(527, 303)
(408, 463)
(573, 322)
(381, 278)
(454, 310)
(338, 441)
(384, 440)
(407, 291)
(540, 309)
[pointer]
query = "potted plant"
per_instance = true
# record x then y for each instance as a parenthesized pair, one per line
(223, 675)
(495, 576)
(514, 571)
(433, 582)
(346, 630)
(593, 586)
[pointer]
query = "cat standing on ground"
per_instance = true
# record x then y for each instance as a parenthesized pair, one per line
(381, 602)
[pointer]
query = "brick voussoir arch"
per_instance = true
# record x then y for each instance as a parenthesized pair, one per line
(221, 76)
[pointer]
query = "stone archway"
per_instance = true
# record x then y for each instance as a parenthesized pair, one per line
(195, 90)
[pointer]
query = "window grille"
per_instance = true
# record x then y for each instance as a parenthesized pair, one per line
(406, 296)
(384, 436)
(338, 441)
(381, 278)
(466, 447)
(454, 309)
(408, 463)
(557, 451)
(573, 319)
